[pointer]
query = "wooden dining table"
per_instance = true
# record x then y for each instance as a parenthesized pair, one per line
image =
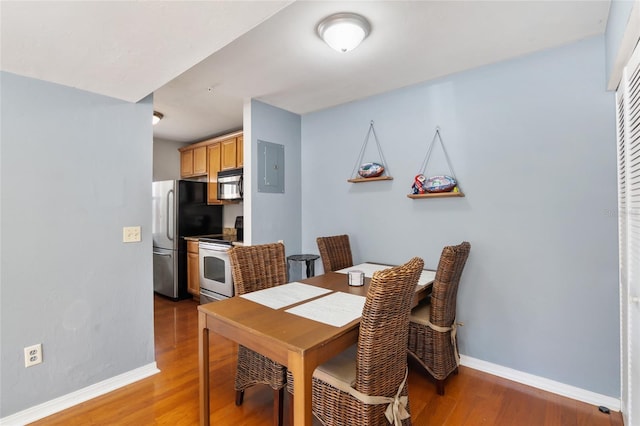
(299, 343)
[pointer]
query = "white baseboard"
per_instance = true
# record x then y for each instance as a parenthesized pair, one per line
(46, 409)
(542, 383)
(62, 403)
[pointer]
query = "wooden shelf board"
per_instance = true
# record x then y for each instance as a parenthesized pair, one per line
(358, 180)
(437, 195)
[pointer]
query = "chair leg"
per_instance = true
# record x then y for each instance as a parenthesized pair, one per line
(440, 387)
(239, 397)
(278, 406)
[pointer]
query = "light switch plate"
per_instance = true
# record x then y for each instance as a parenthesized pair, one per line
(131, 234)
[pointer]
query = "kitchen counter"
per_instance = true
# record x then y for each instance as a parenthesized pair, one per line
(228, 237)
(197, 237)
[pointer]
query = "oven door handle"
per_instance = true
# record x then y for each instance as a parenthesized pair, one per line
(213, 248)
(162, 254)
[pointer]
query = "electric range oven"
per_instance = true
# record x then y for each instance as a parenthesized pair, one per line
(216, 282)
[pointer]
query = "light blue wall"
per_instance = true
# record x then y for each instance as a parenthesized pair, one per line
(532, 143)
(75, 168)
(166, 159)
(276, 216)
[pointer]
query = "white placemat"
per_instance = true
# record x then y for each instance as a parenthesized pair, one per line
(336, 309)
(284, 295)
(369, 268)
(426, 277)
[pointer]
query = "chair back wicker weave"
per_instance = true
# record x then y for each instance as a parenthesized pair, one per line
(379, 361)
(432, 328)
(256, 268)
(335, 252)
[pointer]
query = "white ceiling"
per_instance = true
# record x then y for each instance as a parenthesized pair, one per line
(203, 59)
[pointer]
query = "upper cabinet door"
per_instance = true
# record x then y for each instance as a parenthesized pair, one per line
(200, 161)
(186, 163)
(213, 154)
(229, 154)
(240, 151)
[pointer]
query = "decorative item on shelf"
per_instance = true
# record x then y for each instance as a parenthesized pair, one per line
(440, 184)
(435, 186)
(418, 186)
(370, 171)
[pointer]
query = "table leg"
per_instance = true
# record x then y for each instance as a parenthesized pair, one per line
(203, 365)
(302, 370)
(310, 268)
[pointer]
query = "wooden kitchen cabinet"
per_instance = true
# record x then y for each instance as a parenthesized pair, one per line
(186, 163)
(213, 162)
(240, 151)
(200, 161)
(193, 161)
(229, 154)
(193, 269)
(208, 157)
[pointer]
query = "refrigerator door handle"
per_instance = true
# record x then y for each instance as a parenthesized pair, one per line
(162, 254)
(170, 201)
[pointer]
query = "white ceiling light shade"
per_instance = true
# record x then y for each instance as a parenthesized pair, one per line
(157, 116)
(344, 31)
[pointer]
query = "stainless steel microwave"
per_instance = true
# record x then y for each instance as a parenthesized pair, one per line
(230, 185)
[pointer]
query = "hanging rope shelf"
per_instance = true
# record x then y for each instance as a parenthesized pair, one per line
(436, 186)
(367, 172)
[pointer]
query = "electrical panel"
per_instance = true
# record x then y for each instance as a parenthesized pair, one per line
(270, 167)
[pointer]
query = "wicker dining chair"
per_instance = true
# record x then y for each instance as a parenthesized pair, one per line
(432, 326)
(335, 252)
(256, 268)
(360, 384)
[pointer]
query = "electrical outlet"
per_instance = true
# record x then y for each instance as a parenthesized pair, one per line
(130, 234)
(32, 355)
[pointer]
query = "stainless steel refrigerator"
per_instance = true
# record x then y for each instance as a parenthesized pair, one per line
(180, 210)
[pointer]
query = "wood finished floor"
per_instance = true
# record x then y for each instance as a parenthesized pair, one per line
(171, 397)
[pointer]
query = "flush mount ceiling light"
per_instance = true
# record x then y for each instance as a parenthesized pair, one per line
(157, 116)
(344, 31)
